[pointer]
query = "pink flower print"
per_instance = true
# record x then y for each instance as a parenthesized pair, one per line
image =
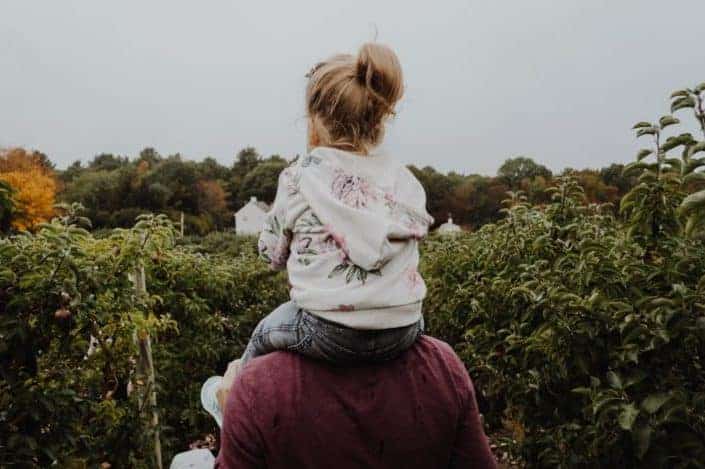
(346, 308)
(353, 191)
(390, 200)
(280, 254)
(336, 241)
(413, 279)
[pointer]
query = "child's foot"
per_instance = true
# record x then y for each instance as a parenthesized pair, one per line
(209, 398)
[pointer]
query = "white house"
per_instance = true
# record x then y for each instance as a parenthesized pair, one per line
(449, 227)
(250, 218)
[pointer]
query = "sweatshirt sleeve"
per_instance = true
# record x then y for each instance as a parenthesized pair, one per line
(276, 234)
(410, 205)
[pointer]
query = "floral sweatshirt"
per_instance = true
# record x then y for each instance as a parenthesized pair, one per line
(346, 228)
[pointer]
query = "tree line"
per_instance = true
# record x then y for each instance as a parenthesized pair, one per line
(116, 189)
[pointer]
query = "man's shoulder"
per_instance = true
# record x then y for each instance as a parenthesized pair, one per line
(264, 364)
(435, 350)
(427, 348)
(436, 346)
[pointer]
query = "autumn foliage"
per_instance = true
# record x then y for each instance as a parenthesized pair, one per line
(32, 178)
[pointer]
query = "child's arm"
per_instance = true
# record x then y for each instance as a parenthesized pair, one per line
(276, 234)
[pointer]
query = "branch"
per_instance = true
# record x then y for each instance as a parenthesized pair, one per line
(700, 113)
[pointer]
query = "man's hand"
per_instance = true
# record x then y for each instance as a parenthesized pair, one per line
(228, 379)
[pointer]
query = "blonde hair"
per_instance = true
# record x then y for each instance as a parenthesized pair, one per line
(348, 98)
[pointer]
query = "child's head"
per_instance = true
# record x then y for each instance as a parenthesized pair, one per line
(348, 98)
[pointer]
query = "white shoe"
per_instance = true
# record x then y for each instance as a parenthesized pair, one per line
(209, 398)
(194, 459)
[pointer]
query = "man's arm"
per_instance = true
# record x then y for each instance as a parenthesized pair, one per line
(240, 440)
(471, 447)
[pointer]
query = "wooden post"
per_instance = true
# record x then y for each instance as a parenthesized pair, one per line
(145, 367)
(182, 224)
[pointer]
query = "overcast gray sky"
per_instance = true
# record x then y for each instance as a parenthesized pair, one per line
(561, 81)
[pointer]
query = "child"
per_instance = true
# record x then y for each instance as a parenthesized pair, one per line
(345, 224)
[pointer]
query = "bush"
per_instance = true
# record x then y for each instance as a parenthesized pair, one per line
(224, 243)
(61, 286)
(586, 333)
(587, 352)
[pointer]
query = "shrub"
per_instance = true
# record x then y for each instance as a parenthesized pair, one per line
(586, 334)
(61, 286)
(587, 352)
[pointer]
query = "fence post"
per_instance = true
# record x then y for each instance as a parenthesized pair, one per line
(145, 366)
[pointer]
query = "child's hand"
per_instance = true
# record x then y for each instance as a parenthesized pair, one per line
(228, 379)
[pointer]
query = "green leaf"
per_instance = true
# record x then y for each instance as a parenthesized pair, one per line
(700, 88)
(641, 437)
(679, 93)
(695, 201)
(635, 377)
(642, 124)
(614, 380)
(653, 402)
(643, 154)
(673, 142)
(665, 121)
(693, 164)
(635, 166)
(605, 402)
(627, 416)
(694, 177)
(7, 276)
(700, 146)
(647, 131)
(681, 103)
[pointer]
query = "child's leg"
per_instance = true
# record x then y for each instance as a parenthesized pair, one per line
(279, 330)
(338, 344)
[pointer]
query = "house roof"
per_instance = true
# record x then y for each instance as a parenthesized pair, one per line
(257, 203)
(449, 227)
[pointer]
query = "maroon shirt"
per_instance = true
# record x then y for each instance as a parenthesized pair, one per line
(418, 411)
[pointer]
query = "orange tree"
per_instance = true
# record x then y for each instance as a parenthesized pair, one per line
(34, 185)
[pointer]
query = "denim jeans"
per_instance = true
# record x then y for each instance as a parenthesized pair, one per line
(290, 328)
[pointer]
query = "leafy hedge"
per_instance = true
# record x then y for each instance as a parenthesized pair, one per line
(60, 286)
(587, 334)
(589, 354)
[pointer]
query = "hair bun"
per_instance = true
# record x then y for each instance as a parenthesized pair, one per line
(349, 97)
(378, 69)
